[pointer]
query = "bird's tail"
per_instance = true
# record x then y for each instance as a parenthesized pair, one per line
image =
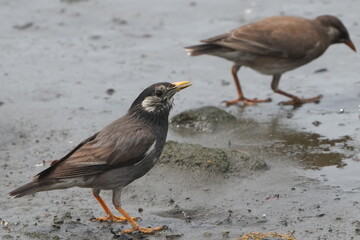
(29, 188)
(206, 48)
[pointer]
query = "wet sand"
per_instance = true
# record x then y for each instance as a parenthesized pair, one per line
(60, 60)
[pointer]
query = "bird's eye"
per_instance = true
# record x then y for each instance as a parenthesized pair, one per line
(158, 93)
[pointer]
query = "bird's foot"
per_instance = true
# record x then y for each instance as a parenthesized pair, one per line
(113, 218)
(246, 101)
(143, 230)
(301, 101)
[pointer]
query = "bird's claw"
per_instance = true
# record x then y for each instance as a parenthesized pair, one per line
(301, 101)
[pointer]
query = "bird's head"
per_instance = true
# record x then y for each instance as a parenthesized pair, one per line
(156, 101)
(336, 30)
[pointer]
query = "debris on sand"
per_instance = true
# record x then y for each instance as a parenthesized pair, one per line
(58, 220)
(24, 26)
(272, 235)
(119, 21)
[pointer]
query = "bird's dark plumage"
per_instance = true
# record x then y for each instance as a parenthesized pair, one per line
(123, 151)
(275, 45)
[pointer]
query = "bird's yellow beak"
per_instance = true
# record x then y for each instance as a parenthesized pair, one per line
(181, 85)
(350, 44)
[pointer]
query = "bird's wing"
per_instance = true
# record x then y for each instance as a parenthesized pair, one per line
(55, 163)
(107, 150)
(281, 38)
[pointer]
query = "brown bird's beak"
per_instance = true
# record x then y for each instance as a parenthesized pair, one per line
(350, 44)
(181, 85)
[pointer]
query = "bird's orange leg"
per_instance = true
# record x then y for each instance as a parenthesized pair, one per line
(296, 101)
(234, 69)
(135, 225)
(109, 215)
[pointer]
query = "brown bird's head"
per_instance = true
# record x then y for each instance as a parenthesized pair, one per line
(336, 30)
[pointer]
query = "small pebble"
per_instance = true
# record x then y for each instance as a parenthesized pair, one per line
(225, 233)
(110, 91)
(316, 123)
(321, 70)
(207, 234)
(24, 26)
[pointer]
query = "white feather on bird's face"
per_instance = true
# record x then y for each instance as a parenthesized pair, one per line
(160, 100)
(333, 33)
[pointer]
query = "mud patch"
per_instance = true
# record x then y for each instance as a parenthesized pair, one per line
(312, 149)
(204, 119)
(218, 160)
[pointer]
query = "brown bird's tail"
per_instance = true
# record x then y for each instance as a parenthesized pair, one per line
(29, 188)
(206, 48)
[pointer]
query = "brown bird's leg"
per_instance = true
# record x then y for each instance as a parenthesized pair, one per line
(295, 100)
(234, 69)
(134, 224)
(109, 215)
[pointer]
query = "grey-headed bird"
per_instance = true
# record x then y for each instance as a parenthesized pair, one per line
(122, 152)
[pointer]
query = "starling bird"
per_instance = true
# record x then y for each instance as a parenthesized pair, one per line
(123, 151)
(273, 46)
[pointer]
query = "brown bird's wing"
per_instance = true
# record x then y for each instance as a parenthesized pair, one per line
(284, 37)
(110, 148)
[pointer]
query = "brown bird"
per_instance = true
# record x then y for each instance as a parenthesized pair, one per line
(273, 46)
(122, 152)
